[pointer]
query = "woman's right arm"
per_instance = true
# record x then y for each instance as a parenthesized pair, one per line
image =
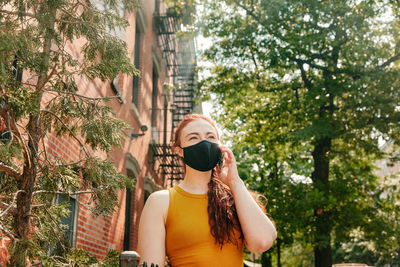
(151, 246)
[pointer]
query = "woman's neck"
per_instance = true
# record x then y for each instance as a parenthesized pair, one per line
(195, 182)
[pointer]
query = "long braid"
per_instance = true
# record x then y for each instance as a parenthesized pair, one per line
(222, 216)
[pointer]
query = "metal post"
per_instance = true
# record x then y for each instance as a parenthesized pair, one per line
(129, 259)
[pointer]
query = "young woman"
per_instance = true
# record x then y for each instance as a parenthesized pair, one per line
(210, 215)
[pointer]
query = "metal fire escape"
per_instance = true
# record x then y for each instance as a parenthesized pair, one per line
(179, 54)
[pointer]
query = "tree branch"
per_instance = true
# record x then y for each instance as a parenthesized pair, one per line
(72, 163)
(11, 204)
(5, 206)
(248, 11)
(45, 152)
(81, 96)
(27, 14)
(53, 70)
(309, 62)
(54, 231)
(10, 170)
(12, 124)
(306, 81)
(30, 136)
(62, 193)
(38, 205)
(72, 134)
(390, 60)
(8, 233)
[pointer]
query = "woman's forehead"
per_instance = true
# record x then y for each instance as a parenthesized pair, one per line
(198, 126)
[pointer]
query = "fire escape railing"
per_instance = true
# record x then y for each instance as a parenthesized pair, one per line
(168, 163)
(179, 54)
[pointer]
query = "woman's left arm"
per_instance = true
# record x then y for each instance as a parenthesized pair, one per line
(258, 230)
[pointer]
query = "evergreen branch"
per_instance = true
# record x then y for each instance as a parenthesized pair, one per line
(10, 170)
(27, 14)
(45, 152)
(53, 70)
(11, 204)
(5, 206)
(12, 124)
(72, 163)
(62, 193)
(54, 231)
(85, 4)
(27, 133)
(8, 233)
(81, 96)
(390, 60)
(37, 206)
(84, 204)
(28, 84)
(72, 134)
(47, 42)
(78, 22)
(60, 259)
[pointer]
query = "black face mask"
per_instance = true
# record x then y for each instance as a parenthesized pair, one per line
(203, 156)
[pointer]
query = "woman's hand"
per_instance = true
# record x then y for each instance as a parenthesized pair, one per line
(228, 174)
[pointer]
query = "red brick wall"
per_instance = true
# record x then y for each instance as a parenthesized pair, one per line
(98, 234)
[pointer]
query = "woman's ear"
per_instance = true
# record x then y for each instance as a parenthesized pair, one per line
(179, 151)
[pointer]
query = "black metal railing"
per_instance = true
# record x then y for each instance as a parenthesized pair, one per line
(167, 163)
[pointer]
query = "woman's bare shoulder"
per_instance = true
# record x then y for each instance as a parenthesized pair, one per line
(160, 195)
(158, 201)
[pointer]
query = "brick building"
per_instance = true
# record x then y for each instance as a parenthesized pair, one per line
(151, 104)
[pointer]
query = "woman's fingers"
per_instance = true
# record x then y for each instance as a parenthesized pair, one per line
(228, 154)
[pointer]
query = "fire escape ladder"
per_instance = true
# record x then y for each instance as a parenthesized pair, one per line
(179, 54)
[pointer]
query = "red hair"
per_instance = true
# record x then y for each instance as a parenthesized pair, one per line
(222, 215)
(185, 121)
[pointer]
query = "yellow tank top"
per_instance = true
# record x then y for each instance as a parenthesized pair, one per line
(188, 238)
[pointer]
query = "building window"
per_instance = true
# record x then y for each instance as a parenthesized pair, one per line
(154, 99)
(17, 70)
(132, 171)
(128, 214)
(136, 62)
(70, 219)
(102, 6)
(156, 6)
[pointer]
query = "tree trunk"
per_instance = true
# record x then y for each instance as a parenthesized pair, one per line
(266, 259)
(22, 224)
(278, 247)
(320, 177)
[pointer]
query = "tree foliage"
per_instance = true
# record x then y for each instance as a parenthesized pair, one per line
(47, 48)
(307, 89)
